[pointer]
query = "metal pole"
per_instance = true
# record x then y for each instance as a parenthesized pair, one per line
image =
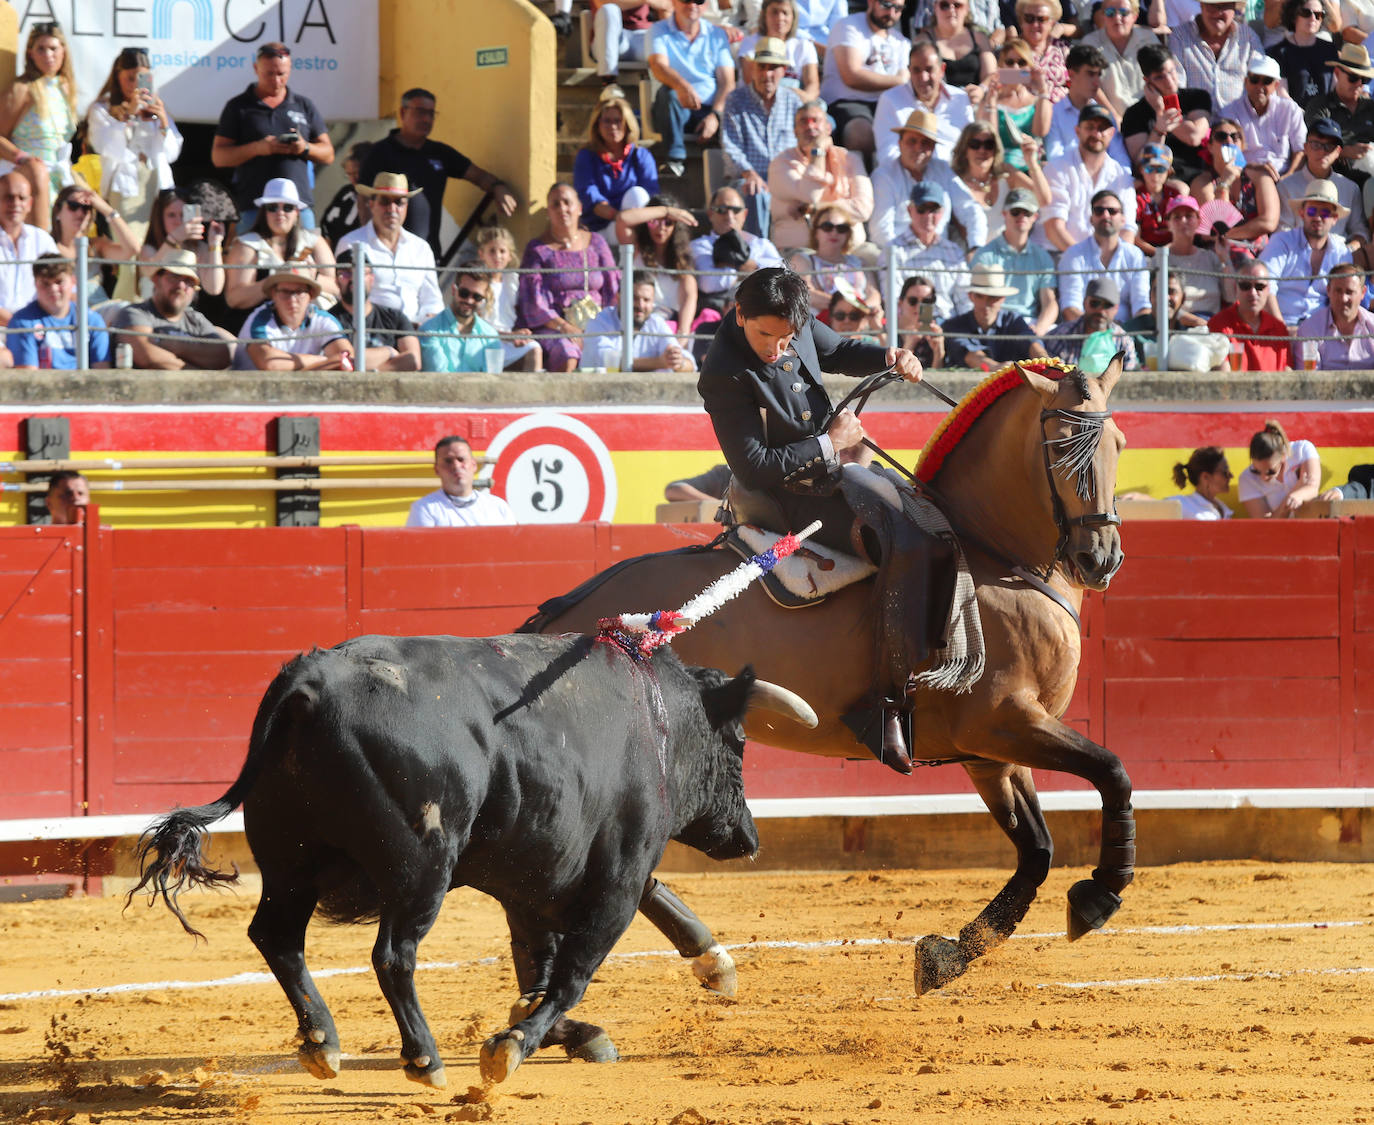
(359, 305)
(891, 295)
(83, 343)
(1162, 309)
(627, 307)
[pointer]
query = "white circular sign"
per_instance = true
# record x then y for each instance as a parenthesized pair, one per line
(553, 469)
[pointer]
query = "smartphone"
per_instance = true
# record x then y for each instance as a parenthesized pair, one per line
(288, 138)
(925, 316)
(190, 213)
(1171, 102)
(1012, 76)
(145, 81)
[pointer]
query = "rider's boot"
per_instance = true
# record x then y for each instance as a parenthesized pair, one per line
(895, 751)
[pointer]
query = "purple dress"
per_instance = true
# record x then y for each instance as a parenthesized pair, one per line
(544, 296)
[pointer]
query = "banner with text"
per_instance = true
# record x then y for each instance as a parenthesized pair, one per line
(202, 51)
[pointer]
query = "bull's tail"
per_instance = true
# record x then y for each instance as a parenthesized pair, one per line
(171, 855)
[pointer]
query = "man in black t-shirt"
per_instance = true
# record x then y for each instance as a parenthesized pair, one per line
(429, 165)
(270, 131)
(1153, 121)
(390, 335)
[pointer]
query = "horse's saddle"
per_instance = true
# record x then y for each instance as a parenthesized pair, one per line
(807, 576)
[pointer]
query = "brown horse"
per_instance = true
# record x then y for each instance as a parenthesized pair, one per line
(1025, 469)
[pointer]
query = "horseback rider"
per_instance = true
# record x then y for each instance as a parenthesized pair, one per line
(761, 385)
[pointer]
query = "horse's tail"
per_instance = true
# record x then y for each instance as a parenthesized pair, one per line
(170, 854)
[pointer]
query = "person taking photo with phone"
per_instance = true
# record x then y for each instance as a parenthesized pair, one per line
(1169, 113)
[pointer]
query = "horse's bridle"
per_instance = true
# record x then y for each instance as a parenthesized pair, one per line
(1079, 449)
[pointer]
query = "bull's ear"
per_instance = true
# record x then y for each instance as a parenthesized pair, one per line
(728, 702)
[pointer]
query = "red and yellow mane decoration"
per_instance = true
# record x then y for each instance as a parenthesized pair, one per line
(972, 407)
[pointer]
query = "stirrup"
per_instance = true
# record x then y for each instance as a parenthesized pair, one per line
(885, 730)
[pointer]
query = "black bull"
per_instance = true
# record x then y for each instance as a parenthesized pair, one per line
(547, 772)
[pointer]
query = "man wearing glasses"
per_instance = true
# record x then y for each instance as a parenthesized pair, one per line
(1155, 119)
(921, 249)
(413, 288)
(1264, 336)
(1272, 125)
(1100, 306)
(1029, 268)
(1350, 328)
(1214, 50)
(1301, 258)
(728, 253)
(1104, 253)
(1320, 151)
(270, 131)
(1349, 105)
(457, 339)
(692, 59)
(867, 55)
(1120, 39)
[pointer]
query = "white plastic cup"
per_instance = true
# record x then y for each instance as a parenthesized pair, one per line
(496, 359)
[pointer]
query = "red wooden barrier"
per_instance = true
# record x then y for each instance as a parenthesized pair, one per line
(1225, 656)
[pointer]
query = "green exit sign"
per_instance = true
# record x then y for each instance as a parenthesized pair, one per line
(493, 56)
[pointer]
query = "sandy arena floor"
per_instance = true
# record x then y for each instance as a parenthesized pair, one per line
(1226, 992)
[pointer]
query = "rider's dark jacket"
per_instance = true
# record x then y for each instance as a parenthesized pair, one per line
(768, 417)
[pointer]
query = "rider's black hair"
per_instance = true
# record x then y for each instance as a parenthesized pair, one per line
(775, 291)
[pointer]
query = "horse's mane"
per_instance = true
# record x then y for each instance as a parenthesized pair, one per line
(975, 404)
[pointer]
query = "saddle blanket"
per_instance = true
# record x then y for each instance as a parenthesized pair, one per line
(812, 571)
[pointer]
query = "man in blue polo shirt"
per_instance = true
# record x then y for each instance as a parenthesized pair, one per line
(692, 59)
(270, 131)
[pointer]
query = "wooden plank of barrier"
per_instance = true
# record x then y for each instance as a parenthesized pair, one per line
(1150, 509)
(686, 511)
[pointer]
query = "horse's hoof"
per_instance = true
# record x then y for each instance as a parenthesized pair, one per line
(427, 1075)
(500, 1056)
(321, 1061)
(597, 1049)
(715, 969)
(938, 961)
(523, 1008)
(1090, 905)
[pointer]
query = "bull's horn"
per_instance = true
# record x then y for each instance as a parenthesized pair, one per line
(772, 697)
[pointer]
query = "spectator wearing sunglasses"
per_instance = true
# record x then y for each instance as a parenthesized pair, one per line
(1210, 476)
(414, 287)
(1029, 269)
(849, 314)
(1214, 50)
(457, 339)
(1157, 189)
(692, 60)
(728, 253)
(1272, 125)
(921, 249)
(1306, 50)
(1320, 152)
(1349, 105)
(1343, 332)
(981, 169)
(866, 56)
(1282, 476)
(275, 240)
(1096, 331)
(1120, 38)
(989, 334)
(1264, 336)
(812, 173)
(918, 331)
(1104, 253)
(829, 261)
(73, 212)
(1301, 258)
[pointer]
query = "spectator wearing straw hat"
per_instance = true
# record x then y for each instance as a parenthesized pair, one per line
(1029, 269)
(893, 181)
(1272, 125)
(43, 332)
(268, 131)
(1299, 259)
(1078, 175)
(1320, 152)
(989, 334)
(402, 262)
(1104, 253)
(921, 249)
(927, 90)
(1264, 336)
(757, 127)
(1343, 332)
(164, 332)
(1349, 105)
(289, 332)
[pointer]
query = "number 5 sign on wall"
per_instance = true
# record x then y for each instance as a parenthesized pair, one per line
(553, 469)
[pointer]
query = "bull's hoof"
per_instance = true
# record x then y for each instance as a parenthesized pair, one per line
(597, 1049)
(938, 961)
(322, 1061)
(1090, 905)
(715, 969)
(501, 1055)
(427, 1074)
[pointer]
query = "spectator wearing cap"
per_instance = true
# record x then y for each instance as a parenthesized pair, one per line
(1299, 259)
(43, 332)
(1153, 197)
(1306, 49)
(165, 333)
(270, 131)
(1029, 269)
(1104, 253)
(1198, 268)
(1149, 121)
(865, 57)
(1350, 327)
(692, 60)
(1214, 50)
(921, 249)
(759, 126)
(402, 262)
(989, 334)
(927, 90)
(726, 253)
(1265, 337)
(917, 163)
(429, 165)
(1349, 105)
(1101, 301)
(1086, 65)
(813, 174)
(1120, 38)
(289, 332)
(1077, 176)
(1273, 125)
(1320, 152)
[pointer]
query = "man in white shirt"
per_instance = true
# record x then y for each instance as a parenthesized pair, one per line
(866, 55)
(1320, 151)
(926, 90)
(653, 346)
(391, 249)
(1076, 176)
(920, 250)
(916, 162)
(19, 243)
(1105, 254)
(1299, 260)
(458, 503)
(1273, 124)
(1085, 65)
(717, 275)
